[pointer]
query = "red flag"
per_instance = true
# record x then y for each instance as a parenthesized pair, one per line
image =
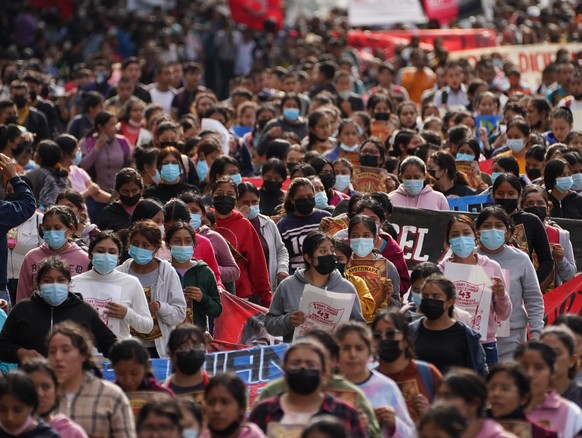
(254, 13)
(445, 11)
(486, 166)
(566, 298)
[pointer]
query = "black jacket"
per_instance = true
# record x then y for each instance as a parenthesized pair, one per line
(165, 192)
(30, 321)
(569, 208)
(37, 124)
(114, 217)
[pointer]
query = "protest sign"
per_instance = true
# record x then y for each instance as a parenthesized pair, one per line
(254, 13)
(381, 130)
(369, 179)
(490, 123)
(473, 293)
(99, 298)
(472, 204)
(371, 12)
(139, 399)
(323, 309)
(371, 269)
(566, 298)
(471, 171)
(337, 224)
(445, 11)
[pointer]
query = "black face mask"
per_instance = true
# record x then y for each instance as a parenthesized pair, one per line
(411, 151)
(432, 173)
(11, 120)
(262, 123)
(389, 350)
(32, 96)
(509, 205)
(130, 201)
(19, 101)
(167, 144)
(272, 186)
(533, 174)
(369, 160)
(228, 431)
(223, 204)
(305, 206)
(303, 381)
(190, 362)
(341, 267)
(326, 264)
(431, 308)
(291, 167)
(328, 181)
(540, 212)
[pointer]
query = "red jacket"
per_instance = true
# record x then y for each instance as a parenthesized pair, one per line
(249, 256)
(394, 253)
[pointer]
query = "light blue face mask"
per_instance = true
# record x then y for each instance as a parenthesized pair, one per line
(253, 212)
(141, 256)
(347, 148)
(320, 200)
(189, 433)
(342, 182)
(564, 183)
(415, 298)
(291, 114)
(104, 263)
(237, 178)
(462, 246)
(494, 176)
(182, 253)
(202, 169)
(413, 186)
(492, 239)
(170, 172)
(78, 157)
(577, 181)
(55, 238)
(464, 157)
(362, 246)
(54, 294)
(157, 177)
(195, 220)
(515, 144)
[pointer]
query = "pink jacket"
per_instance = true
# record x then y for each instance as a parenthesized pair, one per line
(247, 430)
(499, 306)
(492, 429)
(66, 427)
(427, 198)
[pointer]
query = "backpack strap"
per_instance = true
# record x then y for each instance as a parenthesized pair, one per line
(426, 376)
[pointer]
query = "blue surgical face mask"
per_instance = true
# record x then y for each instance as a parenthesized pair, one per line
(54, 294)
(189, 433)
(362, 246)
(492, 239)
(253, 212)
(170, 172)
(564, 183)
(291, 114)
(320, 200)
(195, 220)
(413, 186)
(202, 169)
(182, 253)
(464, 157)
(577, 181)
(515, 144)
(347, 148)
(157, 177)
(78, 158)
(104, 263)
(141, 256)
(55, 238)
(494, 176)
(416, 298)
(237, 178)
(342, 182)
(462, 246)
(360, 130)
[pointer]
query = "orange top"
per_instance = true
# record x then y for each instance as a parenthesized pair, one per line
(416, 82)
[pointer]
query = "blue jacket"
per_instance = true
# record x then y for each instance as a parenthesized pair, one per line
(13, 213)
(476, 351)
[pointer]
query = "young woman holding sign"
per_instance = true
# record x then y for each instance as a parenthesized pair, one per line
(460, 239)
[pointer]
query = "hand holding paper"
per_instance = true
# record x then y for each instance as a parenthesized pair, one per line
(297, 318)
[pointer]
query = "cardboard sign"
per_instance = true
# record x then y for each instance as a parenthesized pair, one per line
(139, 399)
(371, 269)
(470, 169)
(369, 179)
(381, 130)
(337, 224)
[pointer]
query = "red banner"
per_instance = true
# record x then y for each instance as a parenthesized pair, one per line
(254, 13)
(486, 166)
(566, 298)
(445, 11)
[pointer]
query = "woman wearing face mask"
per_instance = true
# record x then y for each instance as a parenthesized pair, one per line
(321, 199)
(545, 405)
(127, 307)
(245, 243)
(535, 200)
(326, 172)
(343, 175)
(225, 406)
(273, 247)
(225, 167)
(51, 303)
(146, 159)
(319, 256)
(263, 115)
(495, 228)
(46, 382)
(301, 217)
(518, 132)
(414, 190)
(438, 328)
(529, 233)
(272, 196)
(558, 183)
(160, 283)
(171, 168)
(394, 347)
(460, 239)
(169, 134)
(58, 226)
(198, 281)
(117, 215)
(451, 183)
(362, 232)
(355, 342)
(406, 143)
(18, 404)
(290, 120)
(306, 371)
(348, 137)
(466, 391)
(85, 229)
(187, 352)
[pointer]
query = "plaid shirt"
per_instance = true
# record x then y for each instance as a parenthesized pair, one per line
(269, 410)
(101, 408)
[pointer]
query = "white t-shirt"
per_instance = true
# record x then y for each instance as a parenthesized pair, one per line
(163, 98)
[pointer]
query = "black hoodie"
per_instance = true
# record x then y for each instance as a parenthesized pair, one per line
(114, 217)
(30, 321)
(569, 208)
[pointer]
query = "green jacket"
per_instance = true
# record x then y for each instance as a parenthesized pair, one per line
(340, 384)
(200, 275)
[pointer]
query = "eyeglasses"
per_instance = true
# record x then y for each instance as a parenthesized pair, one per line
(389, 334)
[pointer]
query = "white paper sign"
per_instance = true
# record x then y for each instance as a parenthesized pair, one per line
(99, 295)
(382, 12)
(503, 326)
(473, 293)
(323, 309)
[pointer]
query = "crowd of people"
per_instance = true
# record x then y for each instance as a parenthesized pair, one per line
(153, 163)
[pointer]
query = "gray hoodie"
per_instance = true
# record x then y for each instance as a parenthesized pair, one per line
(288, 294)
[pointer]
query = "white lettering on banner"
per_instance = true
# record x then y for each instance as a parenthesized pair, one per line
(412, 247)
(531, 59)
